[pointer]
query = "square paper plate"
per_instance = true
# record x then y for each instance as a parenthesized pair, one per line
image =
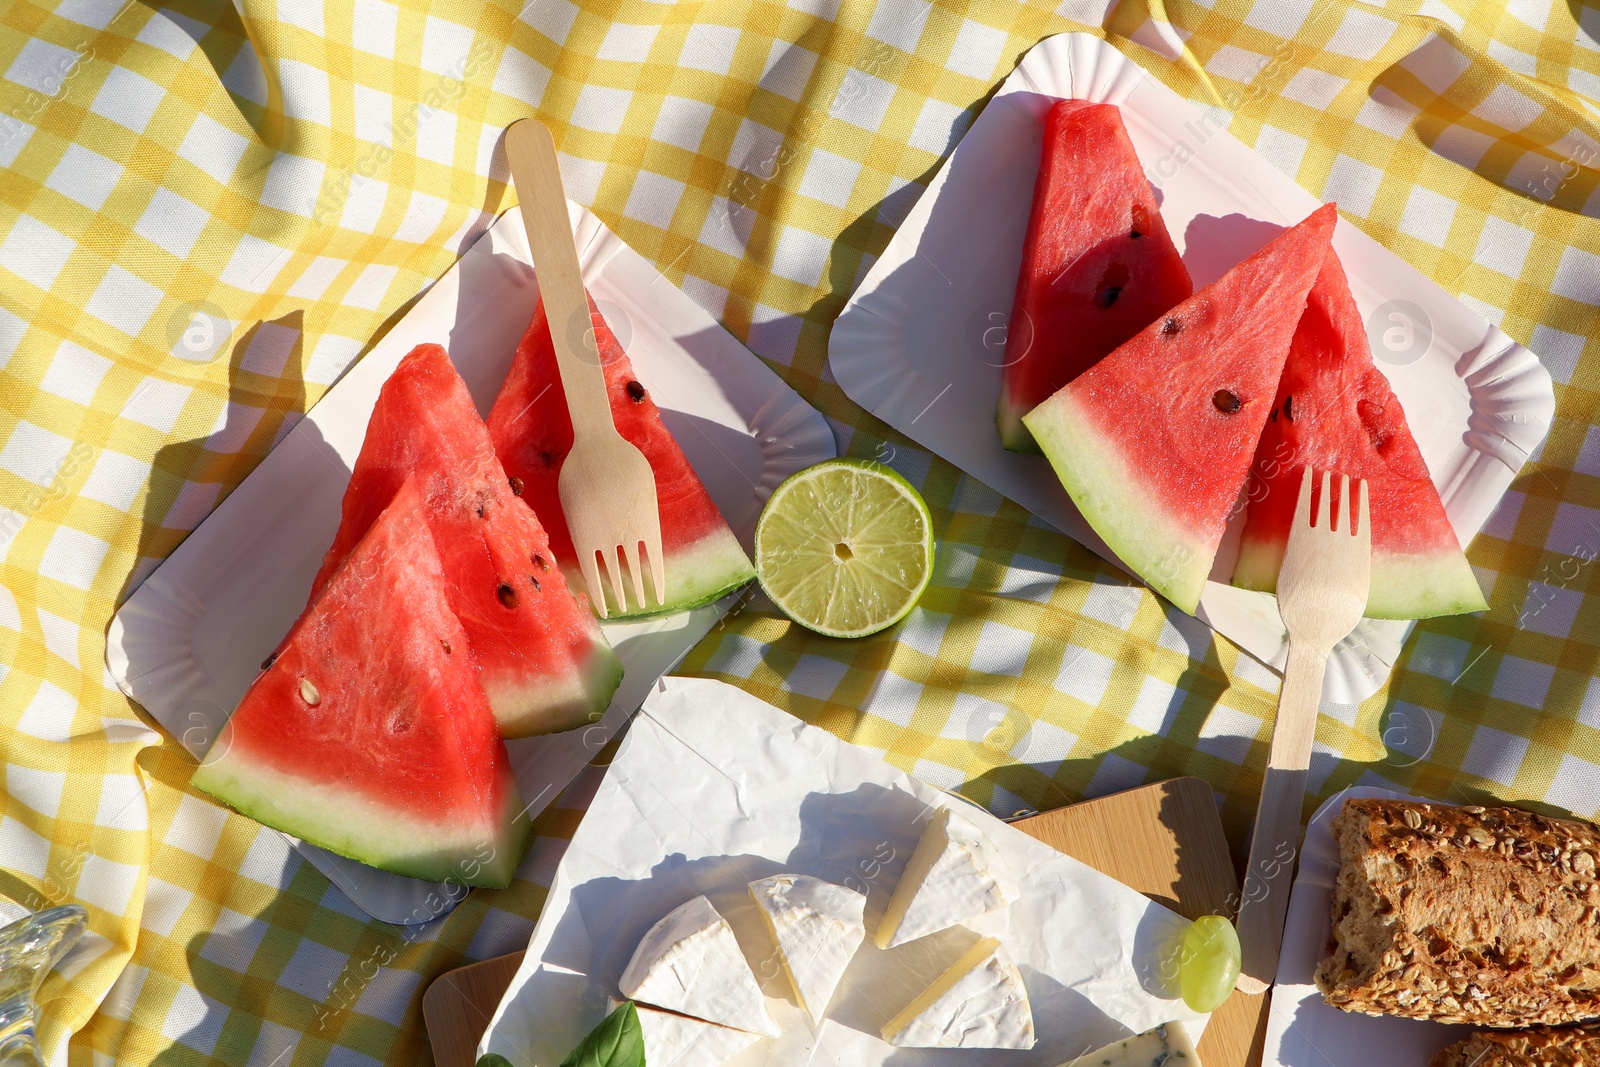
(921, 342)
(713, 788)
(188, 642)
(1303, 1030)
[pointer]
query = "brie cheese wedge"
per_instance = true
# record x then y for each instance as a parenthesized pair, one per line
(980, 1002)
(817, 927)
(954, 874)
(679, 1041)
(691, 963)
(1165, 1046)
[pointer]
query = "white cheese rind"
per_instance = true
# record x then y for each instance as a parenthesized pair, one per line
(817, 927)
(980, 1002)
(691, 963)
(679, 1041)
(954, 874)
(1165, 1046)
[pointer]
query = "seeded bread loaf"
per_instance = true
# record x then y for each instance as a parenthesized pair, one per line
(1464, 915)
(1574, 1046)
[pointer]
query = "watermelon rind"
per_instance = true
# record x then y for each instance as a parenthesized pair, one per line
(1014, 436)
(552, 706)
(531, 429)
(1098, 264)
(697, 574)
(368, 733)
(1403, 586)
(1335, 410)
(352, 826)
(1120, 503)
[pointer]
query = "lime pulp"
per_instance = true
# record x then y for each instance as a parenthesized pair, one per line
(845, 547)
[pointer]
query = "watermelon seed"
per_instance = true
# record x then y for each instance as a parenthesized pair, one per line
(507, 595)
(1225, 401)
(308, 692)
(540, 562)
(535, 582)
(1288, 408)
(269, 661)
(1109, 296)
(1171, 326)
(446, 644)
(483, 513)
(1135, 235)
(516, 486)
(635, 392)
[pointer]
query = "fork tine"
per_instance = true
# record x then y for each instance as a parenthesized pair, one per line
(631, 552)
(1324, 505)
(1364, 533)
(658, 569)
(1346, 515)
(591, 578)
(614, 566)
(1302, 507)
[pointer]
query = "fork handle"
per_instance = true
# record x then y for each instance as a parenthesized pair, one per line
(536, 173)
(1275, 844)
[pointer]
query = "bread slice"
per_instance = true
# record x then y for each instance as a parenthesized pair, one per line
(1575, 1046)
(1484, 916)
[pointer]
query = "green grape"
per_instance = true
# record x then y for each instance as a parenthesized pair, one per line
(1209, 966)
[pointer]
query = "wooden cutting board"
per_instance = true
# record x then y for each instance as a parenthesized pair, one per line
(1165, 840)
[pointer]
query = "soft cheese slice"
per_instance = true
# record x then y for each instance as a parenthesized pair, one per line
(678, 1041)
(980, 1002)
(1165, 1046)
(691, 963)
(817, 927)
(954, 874)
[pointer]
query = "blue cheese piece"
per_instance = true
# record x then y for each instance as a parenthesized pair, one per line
(1165, 1046)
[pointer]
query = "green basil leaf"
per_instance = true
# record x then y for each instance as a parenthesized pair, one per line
(493, 1059)
(616, 1042)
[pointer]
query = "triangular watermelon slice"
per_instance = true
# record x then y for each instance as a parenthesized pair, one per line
(532, 433)
(369, 734)
(1335, 411)
(546, 666)
(1098, 265)
(1154, 442)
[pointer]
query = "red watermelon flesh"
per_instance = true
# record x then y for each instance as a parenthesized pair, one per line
(1098, 265)
(532, 433)
(369, 734)
(545, 664)
(1154, 442)
(1335, 411)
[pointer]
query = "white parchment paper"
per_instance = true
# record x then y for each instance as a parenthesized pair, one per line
(714, 788)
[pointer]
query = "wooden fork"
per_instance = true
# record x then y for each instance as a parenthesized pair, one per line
(1322, 591)
(608, 491)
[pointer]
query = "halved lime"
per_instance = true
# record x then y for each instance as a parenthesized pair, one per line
(845, 547)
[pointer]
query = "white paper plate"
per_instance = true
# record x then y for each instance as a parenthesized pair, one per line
(189, 641)
(1302, 1030)
(921, 342)
(714, 788)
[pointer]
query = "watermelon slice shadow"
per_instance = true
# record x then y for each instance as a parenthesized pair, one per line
(1215, 244)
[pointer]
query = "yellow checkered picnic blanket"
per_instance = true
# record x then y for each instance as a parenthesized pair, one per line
(208, 211)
